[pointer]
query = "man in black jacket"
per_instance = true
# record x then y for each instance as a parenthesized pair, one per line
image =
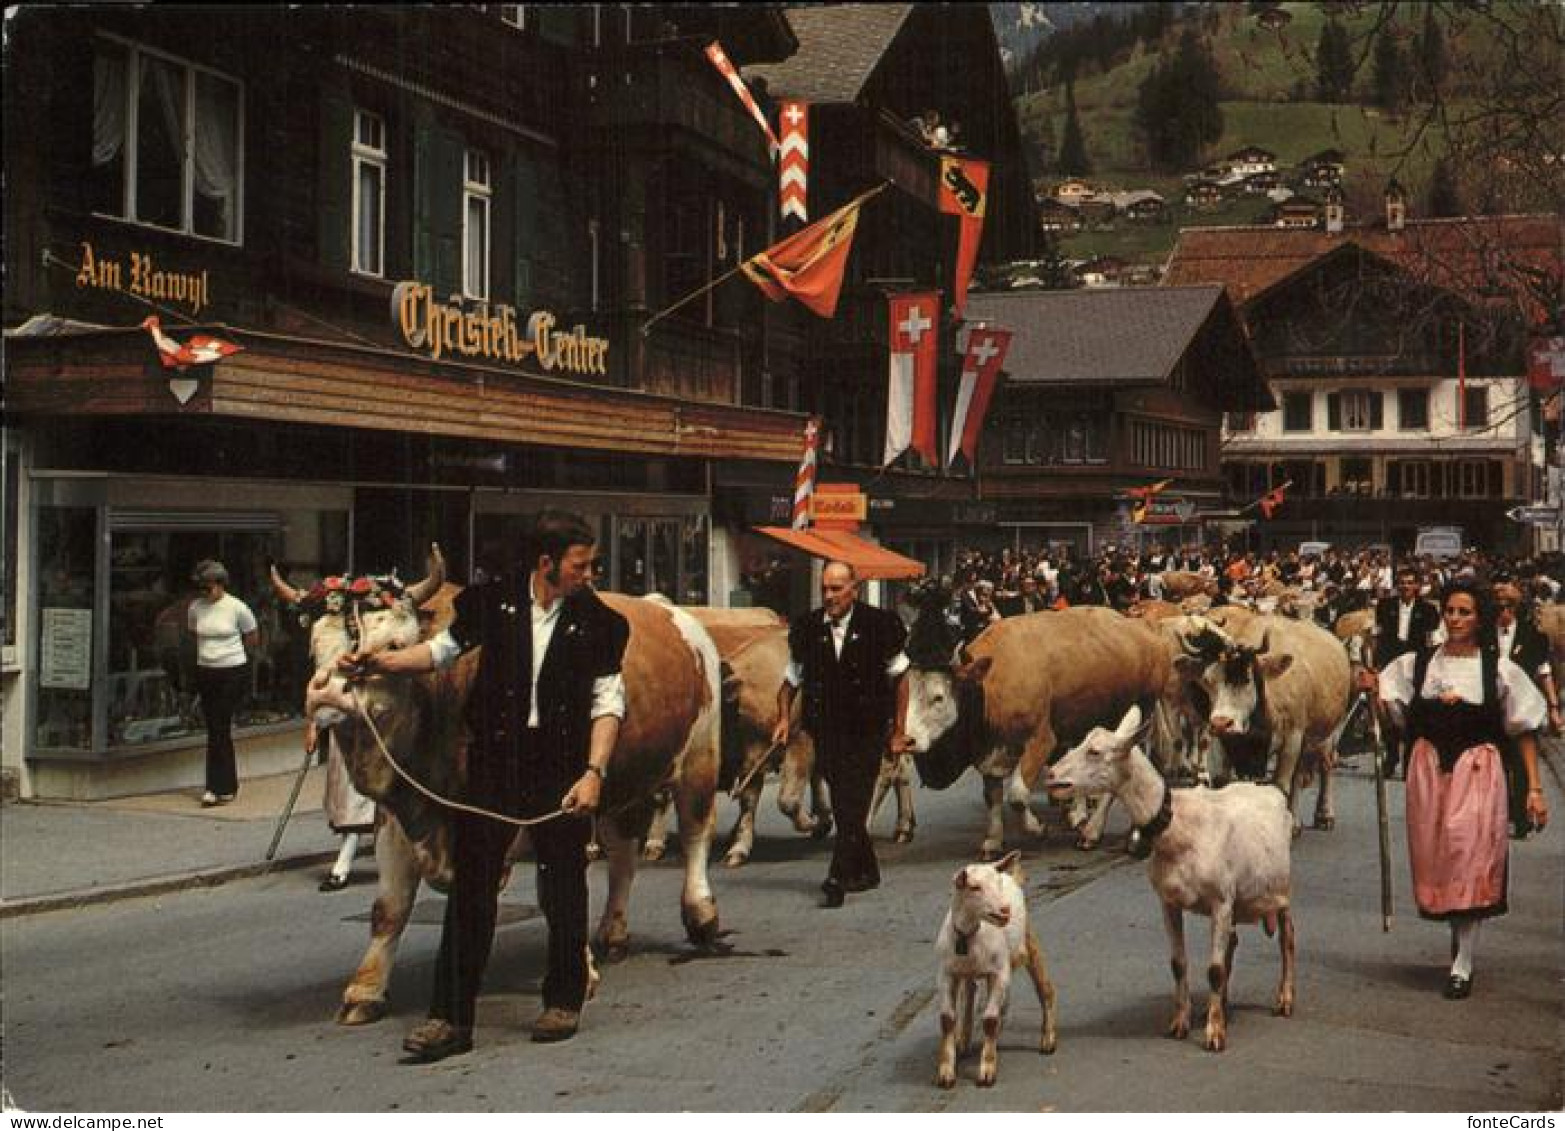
(544, 713)
(848, 661)
(1522, 642)
(1404, 622)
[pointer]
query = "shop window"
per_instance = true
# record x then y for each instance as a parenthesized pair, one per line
(145, 107)
(661, 555)
(369, 193)
(67, 537)
(476, 193)
(10, 480)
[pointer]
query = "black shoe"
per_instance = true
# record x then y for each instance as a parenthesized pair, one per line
(333, 883)
(435, 1040)
(834, 895)
(1458, 987)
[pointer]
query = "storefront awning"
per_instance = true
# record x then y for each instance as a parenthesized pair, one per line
(869, 561)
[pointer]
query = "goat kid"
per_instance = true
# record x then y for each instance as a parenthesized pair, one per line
(1223, 853)
(984, 938)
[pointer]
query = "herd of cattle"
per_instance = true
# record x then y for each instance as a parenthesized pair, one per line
(1220, 694)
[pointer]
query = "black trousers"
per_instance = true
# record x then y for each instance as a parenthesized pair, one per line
(850, 763)
(467, 936)
(221, 691)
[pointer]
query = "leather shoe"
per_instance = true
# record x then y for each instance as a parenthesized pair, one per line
(833, 893)
(333, 882)
(437, 1039)
(556, 1024)
(1457, 987)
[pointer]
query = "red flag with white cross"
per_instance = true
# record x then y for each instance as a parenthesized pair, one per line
(910, 397)
(980, 371)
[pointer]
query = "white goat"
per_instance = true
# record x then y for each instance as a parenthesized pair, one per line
(984, 937)
(1222, 853)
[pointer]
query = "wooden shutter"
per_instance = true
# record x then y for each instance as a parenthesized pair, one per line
(1334, 412)
(437, 207)
(334, 181)
(1377, 411)
(525, 228)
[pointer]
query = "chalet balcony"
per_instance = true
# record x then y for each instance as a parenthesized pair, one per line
(652, 89)
(1356, 365)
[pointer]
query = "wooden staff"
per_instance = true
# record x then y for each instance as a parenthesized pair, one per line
(1377, 753)
(293, 799)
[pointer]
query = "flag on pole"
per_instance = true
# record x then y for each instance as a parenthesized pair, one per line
(980, 372)
(1546, 364)
(793, 169)
(804, 480)
(910, 398)
(964, 192)
(1273, 499)
(725, 67)
(1461, 376)
(201, 349)
(808, 264)
(1141, 499)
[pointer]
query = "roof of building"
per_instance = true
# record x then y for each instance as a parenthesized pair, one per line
(840, 45)
(1133, 335)
(1469, 255)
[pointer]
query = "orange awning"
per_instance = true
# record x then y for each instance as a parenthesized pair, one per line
(870, 561)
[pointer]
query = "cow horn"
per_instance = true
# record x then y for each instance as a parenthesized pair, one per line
(1265, 644)
(285, 592)
(422, 591)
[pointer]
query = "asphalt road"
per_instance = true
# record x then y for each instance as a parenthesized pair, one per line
(222, 999)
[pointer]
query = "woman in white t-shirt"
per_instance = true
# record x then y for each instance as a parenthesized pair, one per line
(225, 631)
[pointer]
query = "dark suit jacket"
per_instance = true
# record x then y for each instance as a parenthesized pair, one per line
(851, 694)
(507, 768)
(1425, 619)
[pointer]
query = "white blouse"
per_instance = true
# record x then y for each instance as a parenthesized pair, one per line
(1521, 702)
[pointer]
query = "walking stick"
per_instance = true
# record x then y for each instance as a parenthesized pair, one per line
(293, 799)
(1377, 752)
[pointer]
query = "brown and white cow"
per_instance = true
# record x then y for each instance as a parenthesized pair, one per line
(1278, 692)
(1031, 685)
(669, 740)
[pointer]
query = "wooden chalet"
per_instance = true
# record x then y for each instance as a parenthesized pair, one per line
(1107, 390)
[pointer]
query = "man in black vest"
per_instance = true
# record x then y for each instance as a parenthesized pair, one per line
(847, 658)
(1523, 643)
(1404, 622)
(544, 713)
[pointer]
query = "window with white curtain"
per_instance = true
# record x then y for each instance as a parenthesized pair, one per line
(167, 142)
(369, 193)
(476, 193)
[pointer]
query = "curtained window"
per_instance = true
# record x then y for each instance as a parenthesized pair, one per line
(166, 142)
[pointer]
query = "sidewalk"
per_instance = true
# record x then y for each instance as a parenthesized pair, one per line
(63, 854)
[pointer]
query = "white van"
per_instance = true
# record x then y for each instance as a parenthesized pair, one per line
(1442, 543)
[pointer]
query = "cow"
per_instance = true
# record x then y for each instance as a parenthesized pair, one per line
(1179, 584)
(1278, 691)
(1027, 687)
(669, 740)
(1224, 853)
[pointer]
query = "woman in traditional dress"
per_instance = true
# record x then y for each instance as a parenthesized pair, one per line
(1463, 704)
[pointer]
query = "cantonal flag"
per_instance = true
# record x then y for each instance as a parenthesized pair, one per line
(809, 264)
(964, 192)
(201, 349)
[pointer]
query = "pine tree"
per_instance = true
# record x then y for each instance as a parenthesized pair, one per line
(1053, 271)
(1391, 74)
(1333, 63)
(1178, 110)
(1432, 63)
(1073, 150)
(1444, 198)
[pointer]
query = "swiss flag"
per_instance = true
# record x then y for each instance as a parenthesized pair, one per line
(201, 349)
(1546, 364)
(910, 397)
(980, 370)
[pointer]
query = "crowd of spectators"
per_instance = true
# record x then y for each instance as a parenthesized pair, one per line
(986, 586)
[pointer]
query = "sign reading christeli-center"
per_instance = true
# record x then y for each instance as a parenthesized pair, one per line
(492, 330)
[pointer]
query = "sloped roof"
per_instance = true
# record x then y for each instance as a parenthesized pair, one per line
(1469, 255)
(1133, 334)
(840, 45)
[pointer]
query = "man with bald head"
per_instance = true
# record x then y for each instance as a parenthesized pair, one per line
(847, 659)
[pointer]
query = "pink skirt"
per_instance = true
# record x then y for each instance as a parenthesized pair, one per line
(1457, 833)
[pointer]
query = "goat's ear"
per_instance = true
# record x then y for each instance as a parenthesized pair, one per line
(1130, 724)
(1273, 666)
(1007, 862)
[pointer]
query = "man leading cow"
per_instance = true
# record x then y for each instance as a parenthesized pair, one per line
(544, 715)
